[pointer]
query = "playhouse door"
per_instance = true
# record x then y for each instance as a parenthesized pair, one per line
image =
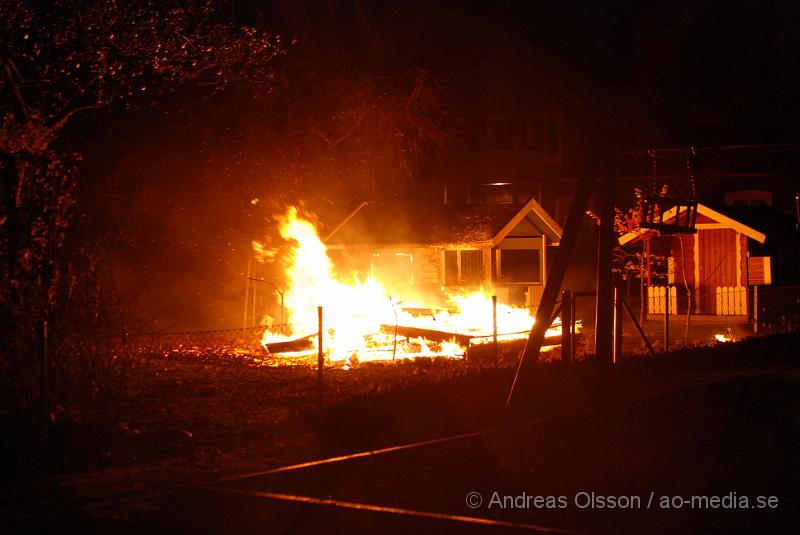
(718, 265)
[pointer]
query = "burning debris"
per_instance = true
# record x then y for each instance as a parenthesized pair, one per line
(723, 338)
(367, 320)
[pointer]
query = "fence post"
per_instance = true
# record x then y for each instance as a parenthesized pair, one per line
(755, 310)
(320, 361)
(617, 354)
(246, 298)
(567, 326)
(494, 329)
(673, 299)
(44, 387)
(666, 322)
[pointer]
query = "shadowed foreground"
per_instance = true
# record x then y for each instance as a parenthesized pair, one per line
(713, 438)
(709, 422)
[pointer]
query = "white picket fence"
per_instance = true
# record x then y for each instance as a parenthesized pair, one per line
(731, 301)
(657, 298)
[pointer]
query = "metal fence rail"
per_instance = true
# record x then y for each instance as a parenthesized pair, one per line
(761, 310)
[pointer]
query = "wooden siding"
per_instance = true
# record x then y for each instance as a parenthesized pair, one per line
(760, 270)
(718, 265)
(742, 260)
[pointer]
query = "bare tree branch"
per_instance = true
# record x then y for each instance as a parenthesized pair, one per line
(20, 107)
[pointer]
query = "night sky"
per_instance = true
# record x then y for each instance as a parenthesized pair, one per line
(713, 65)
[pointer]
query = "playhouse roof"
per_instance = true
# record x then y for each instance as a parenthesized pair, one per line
(438, 224)
(707, 217)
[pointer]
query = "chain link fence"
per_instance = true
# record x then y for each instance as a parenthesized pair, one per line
(768, 310)
(721, 314)
(774, 309)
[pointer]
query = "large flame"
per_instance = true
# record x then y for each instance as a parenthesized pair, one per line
(359, 314)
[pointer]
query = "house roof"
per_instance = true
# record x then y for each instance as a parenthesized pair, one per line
(714, 214)
(780, 228)
(438, 224)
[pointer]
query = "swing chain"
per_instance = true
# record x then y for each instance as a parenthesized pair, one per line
(691, 153)
(653, 173)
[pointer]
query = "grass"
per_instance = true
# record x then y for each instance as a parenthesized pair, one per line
(195, 418)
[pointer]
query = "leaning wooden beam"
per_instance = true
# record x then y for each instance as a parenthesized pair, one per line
(344, 222)
(639, 328)
(552, 287)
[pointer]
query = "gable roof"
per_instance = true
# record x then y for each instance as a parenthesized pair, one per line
(438, 224)
(717, 217)
(780, 228)
(538, 216)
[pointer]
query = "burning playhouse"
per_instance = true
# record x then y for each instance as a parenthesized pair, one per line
(423, 248)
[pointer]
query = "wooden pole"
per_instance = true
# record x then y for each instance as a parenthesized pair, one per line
(283, 312)
(666, 319)
(246, 297)
(646, 294)
(494, 329)
(320, 360)
(572, 330)
(567, 326)
(617, 355)
(552, 285)
(253, 318)
(604, 306)
(396, 322)
(639, 328)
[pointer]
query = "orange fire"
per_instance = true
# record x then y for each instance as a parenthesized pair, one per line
(360, 314)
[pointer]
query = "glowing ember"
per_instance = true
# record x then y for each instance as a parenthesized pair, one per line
(361, 321)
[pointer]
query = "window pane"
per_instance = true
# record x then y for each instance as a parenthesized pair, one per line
(520, 265)
(471, 267)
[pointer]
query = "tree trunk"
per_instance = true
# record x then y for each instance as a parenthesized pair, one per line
(12, 224)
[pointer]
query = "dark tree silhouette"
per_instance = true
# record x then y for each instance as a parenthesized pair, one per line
(59, 60)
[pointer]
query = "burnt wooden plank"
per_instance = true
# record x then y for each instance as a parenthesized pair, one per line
(289, 346)
(428, 334)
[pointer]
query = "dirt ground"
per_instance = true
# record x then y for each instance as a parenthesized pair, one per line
(201, 419)
(701, 331)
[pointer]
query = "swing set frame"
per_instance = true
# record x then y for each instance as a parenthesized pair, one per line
(656, 206)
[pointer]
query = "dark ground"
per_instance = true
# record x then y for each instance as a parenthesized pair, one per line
(709, 421)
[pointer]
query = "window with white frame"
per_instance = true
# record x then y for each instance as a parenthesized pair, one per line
(463, 267)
